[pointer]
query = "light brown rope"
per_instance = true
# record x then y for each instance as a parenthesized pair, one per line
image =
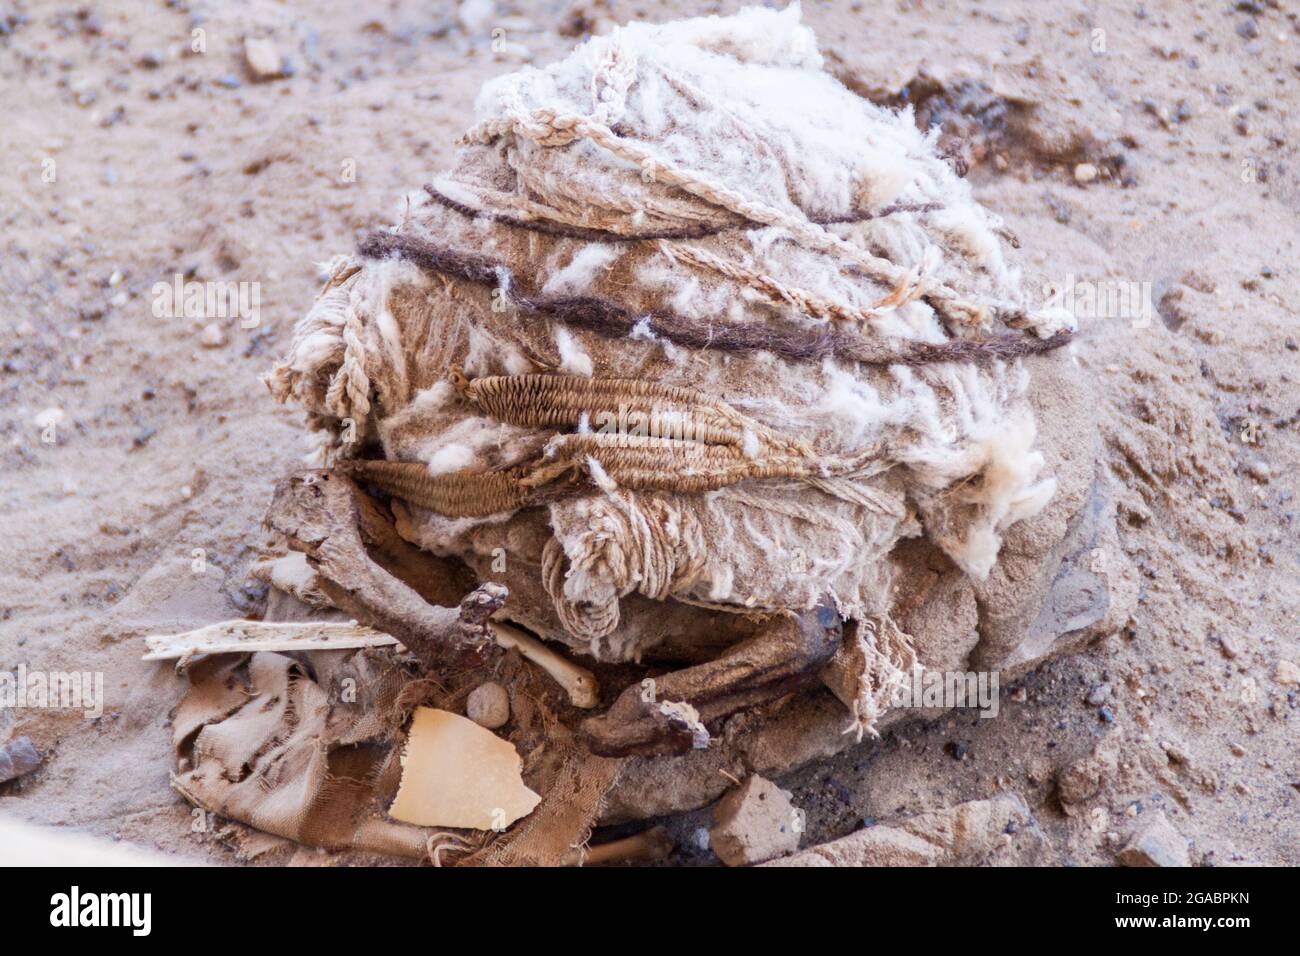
(547, 127)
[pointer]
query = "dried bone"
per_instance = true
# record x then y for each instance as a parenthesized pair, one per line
(322, 515)
(783, 657)
(578, 682)
(644, 847)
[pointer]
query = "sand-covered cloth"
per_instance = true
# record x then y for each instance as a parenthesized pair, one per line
(687, 321)
(307, 747)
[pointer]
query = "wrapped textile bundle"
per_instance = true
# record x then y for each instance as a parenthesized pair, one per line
(709, 361)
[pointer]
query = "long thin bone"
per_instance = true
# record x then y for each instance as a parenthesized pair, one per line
(646, 846)
(578, 682)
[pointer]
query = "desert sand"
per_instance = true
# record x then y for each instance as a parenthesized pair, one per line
(1128, 145)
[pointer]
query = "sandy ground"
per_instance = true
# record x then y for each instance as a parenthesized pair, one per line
(127, 158)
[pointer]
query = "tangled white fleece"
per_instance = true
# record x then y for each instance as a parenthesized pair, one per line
(814, 207)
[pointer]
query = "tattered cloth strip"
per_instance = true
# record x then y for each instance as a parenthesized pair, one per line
(557, 832)
(308, 748)
(868, 670)
(687, 224)
(301, 752)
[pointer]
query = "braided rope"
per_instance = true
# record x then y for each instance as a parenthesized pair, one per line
(547, 127)
(610, 319)
(775, 291)
(348, 395)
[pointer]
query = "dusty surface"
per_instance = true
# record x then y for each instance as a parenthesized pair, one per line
(167, 161)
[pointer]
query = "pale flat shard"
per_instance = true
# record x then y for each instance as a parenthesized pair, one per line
(458, 774)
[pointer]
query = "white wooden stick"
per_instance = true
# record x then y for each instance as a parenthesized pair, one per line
(242, 637)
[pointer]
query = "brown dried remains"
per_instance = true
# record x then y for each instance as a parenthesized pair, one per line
(326, 517)
(649, 720)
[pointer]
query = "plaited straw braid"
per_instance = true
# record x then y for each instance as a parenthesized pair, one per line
(632, 462)
(644, 463)
(661, 464)
(458, 494)
(648, 465)
(548, 128)
(610, 319)
(566, 230)
(679, 452)
(775, 291)
(570, 401)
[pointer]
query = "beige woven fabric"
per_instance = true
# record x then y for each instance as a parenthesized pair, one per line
(638, 341)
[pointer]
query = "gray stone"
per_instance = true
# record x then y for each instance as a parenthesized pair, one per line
(18, 757)
(1157, 843)
(753, 823)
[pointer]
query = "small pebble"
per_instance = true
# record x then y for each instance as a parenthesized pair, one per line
(213, 336)
(1085, 173)
(262, 57)
(1157, 843)
(48, 417)
(488, 705)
